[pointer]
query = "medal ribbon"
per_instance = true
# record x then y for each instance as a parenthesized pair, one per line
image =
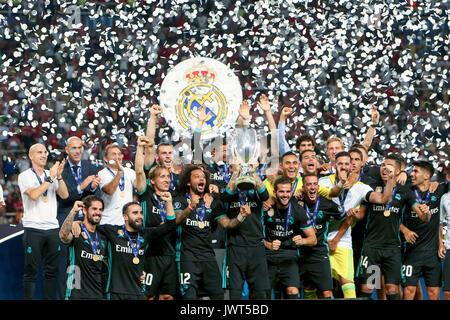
(225, 173)
(134, 247)
(419, 198)
(172, 184)
(242, 197)
(94, 244)
(122, 179)
(341, 197)
(294, 187)
(259, 169)
(162, 209)
(39, 179)
(313, 217)
(388, 206)
(288, 217)
(77, 176)
(199, 213)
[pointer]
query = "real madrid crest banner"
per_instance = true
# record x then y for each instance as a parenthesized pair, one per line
(201, 81)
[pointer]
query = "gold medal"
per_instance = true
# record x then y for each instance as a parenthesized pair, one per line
(122, 194)
(201, 224)
(95, 258)
(136, 260)
(45, 199)
(387, 213)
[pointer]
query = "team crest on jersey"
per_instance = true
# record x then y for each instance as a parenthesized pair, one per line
(433, 199)
(84, 235)
(379, 189)
(271, 212)
(120, 233)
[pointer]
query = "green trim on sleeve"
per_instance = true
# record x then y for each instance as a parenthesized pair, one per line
(262, 190)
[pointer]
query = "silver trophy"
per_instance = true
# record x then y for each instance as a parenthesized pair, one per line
(245, 146)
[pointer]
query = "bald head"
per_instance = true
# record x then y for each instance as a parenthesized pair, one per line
(38, 155)
(74, 149)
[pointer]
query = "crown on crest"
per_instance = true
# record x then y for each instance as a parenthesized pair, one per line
(200, 73)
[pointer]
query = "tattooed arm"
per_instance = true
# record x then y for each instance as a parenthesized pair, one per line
(65, 233)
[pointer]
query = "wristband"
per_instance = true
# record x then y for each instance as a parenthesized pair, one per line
(340, 185)
(59, 178)
(240, 218)
(192, 209)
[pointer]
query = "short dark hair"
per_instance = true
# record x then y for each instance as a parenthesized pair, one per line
(161, 145)
(311, 174)
(289, 153)
(398, 160)
(281, 180)
(355, 150)
(342, 154)
(129, 204)
(425, 165)
(304, 137)
(359, 146)
(87, 201)
(304, 151)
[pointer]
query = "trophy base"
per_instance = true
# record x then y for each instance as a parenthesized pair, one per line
(245, 183)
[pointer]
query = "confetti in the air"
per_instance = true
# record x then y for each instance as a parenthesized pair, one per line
(93, 68)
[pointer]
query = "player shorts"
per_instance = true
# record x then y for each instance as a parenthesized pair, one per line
(199, 278)
(342, 264)
(422, 263)
(446, 272)
(387, 261)
(286, 271)
(247, 264)
(317, 274)
(123, 296)
(160, 276)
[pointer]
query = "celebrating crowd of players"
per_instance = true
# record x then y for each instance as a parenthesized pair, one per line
(308, 229)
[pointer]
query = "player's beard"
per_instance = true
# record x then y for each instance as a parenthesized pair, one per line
(135, 226)
(90, 219)
(196, 191)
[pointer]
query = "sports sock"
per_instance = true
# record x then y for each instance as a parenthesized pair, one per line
(349, 290)
(310, 294)
(365, 295)
(392, 296)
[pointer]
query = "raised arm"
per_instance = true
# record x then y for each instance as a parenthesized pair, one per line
(155, 111)
(141, 179)
(265, 106)
(244, 114)
(372, 128)
(65, 233)
(283, 145)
